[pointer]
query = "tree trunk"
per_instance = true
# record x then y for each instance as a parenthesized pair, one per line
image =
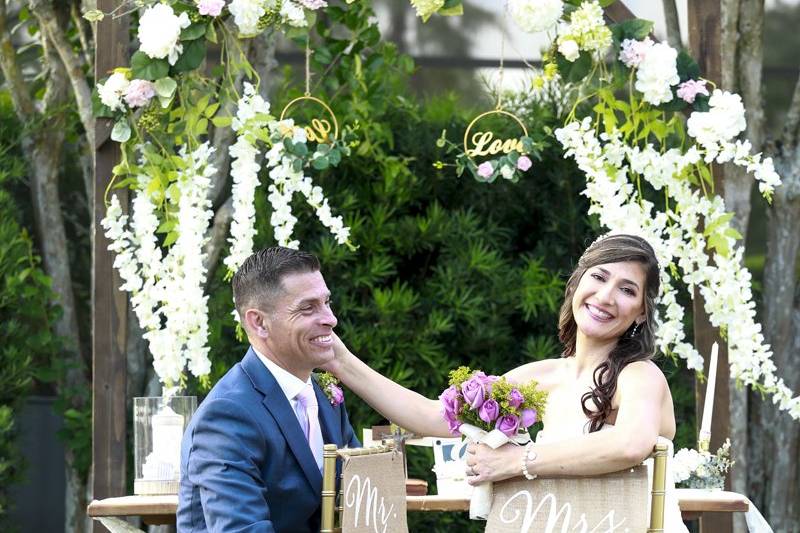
(782, 332)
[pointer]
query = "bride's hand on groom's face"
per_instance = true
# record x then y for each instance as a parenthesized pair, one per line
(485, 464)
(340, 351)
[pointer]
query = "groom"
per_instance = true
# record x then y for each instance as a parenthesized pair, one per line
(252, 455)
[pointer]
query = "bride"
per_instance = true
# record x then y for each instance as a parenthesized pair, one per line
(607, 401)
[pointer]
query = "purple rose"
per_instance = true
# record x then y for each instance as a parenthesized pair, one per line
(529, 417)
(508, 424)
(453, 423)
(485, 170)
(450, 400)
(473, 391)
(515, 398)
(335, 394)
(489, 411)
(524, 163)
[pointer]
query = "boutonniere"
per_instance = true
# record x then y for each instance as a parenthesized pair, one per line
(330, 386)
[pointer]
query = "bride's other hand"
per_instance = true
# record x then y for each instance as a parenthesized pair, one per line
(485, 464)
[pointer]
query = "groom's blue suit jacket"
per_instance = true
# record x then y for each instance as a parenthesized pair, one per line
(245, 463)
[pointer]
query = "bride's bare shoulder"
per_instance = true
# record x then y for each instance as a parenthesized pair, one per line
(543, 371)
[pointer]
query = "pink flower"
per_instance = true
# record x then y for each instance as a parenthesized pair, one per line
(485, 170)
(473, 391)
(633, 52)
(335, 394)
(212, 8)
(314, 4)
(489, 411)
(689, 90)
(139, 92)
(508, 424)
(524, 163)
(515, 398)
(529, 417)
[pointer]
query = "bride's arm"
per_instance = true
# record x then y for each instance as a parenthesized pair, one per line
(641, 388)
(402, 406)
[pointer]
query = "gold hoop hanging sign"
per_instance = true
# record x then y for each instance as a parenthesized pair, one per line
(484, 143)
(319, 130)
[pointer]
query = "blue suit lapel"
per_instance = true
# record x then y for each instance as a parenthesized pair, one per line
(281, 410)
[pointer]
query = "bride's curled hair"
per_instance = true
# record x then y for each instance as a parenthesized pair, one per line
(636, 344)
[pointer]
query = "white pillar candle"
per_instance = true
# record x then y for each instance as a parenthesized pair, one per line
(708, 406)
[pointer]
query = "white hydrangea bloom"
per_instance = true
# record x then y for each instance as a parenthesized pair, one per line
(293, 14)
(657, 73)
(722, 122)
(535, 15)
(159, 30)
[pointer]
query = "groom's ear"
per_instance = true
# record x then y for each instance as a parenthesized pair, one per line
(256, 323)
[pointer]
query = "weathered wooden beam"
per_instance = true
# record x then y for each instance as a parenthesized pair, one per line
(109, 304)
(705, 42)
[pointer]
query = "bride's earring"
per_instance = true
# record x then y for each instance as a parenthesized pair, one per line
(635, 329)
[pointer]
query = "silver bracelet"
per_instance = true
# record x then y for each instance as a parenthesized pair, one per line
(529, 456)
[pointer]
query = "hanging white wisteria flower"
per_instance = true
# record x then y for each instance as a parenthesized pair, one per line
(176, 328)
(535, 15)
(288, 159)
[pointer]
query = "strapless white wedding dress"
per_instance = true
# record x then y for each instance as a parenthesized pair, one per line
(672, 513)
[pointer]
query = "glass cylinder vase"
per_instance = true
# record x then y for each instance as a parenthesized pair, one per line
(158, 426)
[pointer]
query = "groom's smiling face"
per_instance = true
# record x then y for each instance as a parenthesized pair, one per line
(300, 326)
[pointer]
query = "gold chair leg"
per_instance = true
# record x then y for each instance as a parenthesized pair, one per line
(327, 524)
(658, 494)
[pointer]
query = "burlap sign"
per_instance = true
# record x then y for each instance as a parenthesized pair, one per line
(616, 502)
(374, 494)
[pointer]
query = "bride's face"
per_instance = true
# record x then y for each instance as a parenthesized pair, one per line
(608, 299)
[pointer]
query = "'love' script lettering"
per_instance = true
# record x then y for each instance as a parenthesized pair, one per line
(360, 493)
(486, 144)
(549, 505)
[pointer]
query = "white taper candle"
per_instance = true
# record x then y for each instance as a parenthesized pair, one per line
(708, 406)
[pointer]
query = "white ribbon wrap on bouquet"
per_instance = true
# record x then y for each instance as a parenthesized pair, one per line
(481, 501)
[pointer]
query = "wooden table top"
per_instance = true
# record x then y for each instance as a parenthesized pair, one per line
(690, 501)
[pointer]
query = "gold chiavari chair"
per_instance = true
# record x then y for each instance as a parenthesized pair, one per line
(658, 490)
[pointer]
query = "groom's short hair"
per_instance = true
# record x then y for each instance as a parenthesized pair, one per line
(258, 281)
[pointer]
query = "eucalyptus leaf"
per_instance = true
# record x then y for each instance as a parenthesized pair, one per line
(121, 131)
(320, 163)
(165, 87)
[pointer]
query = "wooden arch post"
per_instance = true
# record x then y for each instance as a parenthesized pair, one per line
(109, 304)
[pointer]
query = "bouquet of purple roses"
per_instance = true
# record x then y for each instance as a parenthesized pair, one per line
(491, 411)
(490, 403)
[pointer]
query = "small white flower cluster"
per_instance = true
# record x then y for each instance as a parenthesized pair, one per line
(701, 470)
(167, 292)
(252, 116)
(586, 31)
(159, 31)
(551, 93)
(248, 13)
(724, 284)
(535, 15)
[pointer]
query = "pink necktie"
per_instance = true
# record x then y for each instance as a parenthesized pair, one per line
(307, 412)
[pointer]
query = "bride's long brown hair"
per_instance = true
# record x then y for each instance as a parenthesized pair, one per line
(636, 344)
